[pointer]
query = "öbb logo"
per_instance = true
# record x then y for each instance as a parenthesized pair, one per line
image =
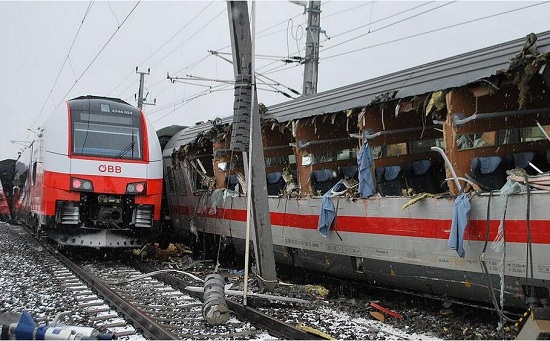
(109, 169)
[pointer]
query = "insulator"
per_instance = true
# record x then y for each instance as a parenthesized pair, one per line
(214, 309)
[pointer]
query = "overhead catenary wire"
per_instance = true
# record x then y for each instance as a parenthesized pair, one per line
(282, 67)
(164, 44)
(389, 17)
(353, 29)
(50, 93)
(191, 37)
(213, 89)
(186, 101)
(181, 102)
(179, 46)
(277, 83)
(99, 52)
(258, 37)
(432, 31)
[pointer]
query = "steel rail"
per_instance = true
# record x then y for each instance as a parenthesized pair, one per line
(148, 326)
(274, 326)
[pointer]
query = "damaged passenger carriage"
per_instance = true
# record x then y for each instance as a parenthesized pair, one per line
(434, 179)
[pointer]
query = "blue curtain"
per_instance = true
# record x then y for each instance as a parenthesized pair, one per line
(364, 163)
(328, 212)
(460, 220)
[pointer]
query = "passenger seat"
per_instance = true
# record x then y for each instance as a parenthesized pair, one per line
(489, 172)
(388, 180)
(232, 181)
(348, 172)
(275, 183)
(419, 177)
(521, 160)
(323, 180)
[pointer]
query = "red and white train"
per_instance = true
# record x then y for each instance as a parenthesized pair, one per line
(93, 176)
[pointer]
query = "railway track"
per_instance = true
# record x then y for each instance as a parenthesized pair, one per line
(148, 308)
(165, 308)
(159, 310)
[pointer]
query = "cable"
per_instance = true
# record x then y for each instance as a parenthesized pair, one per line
(347, 9)
(185, 101)
(276, 83)
(204, 92)
(388, 25)
(484, 265)
(352, 30)
(434, 30)
(381, 19)
(101, 50)
(63, 65)
(295, 37)
(259, 36)
(192, 65)
(192, 36)
(279, 68)
(180, 45)
(529, 257)
(164, 44)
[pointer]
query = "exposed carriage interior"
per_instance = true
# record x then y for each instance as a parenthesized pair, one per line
(310, 155)
(486, 127)
(491, 136)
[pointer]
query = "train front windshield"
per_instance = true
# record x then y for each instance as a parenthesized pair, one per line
(108, 135)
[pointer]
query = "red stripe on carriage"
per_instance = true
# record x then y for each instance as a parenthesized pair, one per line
(516, 230)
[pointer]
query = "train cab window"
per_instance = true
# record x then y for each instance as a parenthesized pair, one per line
(106, 135)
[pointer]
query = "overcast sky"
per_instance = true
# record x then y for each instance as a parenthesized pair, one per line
(53, 51)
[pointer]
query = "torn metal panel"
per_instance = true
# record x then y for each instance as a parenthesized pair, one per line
(439, 75)
(192, 134)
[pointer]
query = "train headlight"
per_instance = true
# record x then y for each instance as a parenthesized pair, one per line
(135, 188)
(81, 185)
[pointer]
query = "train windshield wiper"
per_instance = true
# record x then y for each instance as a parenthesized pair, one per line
(129, 147)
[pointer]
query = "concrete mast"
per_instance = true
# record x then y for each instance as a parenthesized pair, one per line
(311, 63)
(246, 136)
